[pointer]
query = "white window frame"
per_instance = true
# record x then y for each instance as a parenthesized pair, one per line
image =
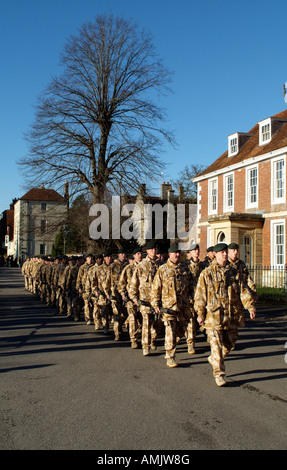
(265, 138)
(211, 209)
(226, 206)
(274, 198)
(274, 224)
(248, 203)
(233, 144)
(44, 250)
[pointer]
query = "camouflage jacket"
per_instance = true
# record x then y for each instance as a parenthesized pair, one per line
(115, 271)
(141, 282)
(100, 283)
(82, 275)
(60, 275)
(125, 278)
(243, 273)
(172, 287)
(220, 297)
(195, 269)
(71, 278)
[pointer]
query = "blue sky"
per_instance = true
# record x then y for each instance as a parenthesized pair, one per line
(228, 58)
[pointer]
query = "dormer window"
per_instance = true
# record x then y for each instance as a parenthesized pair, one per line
(265, 131)
(232, 145)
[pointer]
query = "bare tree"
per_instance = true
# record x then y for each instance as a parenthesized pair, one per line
(99, 126)
(185, 178)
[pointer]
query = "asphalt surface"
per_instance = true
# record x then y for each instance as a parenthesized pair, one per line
(65, 387)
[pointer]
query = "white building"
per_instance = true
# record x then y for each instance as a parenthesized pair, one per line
(38, 216)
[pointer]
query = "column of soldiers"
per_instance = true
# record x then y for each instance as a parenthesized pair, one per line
(151, 294)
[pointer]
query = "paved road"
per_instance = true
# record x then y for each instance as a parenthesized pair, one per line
(63, 386)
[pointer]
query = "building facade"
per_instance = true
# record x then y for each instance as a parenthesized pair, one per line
(242, 194)
(38, 216)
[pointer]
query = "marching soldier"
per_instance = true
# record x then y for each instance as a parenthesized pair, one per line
(209, 256)
(123, 289)
(60, 283)
(219, 300)
(239, 264)
(170, 297)
(91, 273)
(80, 287)
(115, 271)
(195, 266)
(68, 285)
(140, 294)
(100, 290)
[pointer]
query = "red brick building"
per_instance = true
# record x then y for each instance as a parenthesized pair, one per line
(242, 194)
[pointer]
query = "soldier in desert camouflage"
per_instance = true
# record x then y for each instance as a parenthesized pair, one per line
(170, 297)
(219, 301)
(89, 289)
(101, 291)
(68, 285)
(209, 256)
(233, 260)
(81, 288)
(60, 280)
(118, 306)
(140, 294)
(123, 289)
(195, 266)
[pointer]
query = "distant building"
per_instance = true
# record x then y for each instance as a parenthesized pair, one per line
(38, 215)
(157, 224)
(242, 194)
(7, 230)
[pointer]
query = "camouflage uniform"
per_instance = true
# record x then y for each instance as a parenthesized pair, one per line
(41, 276)
(100, 288)
(25, 273)
(48, 282)
(81, 288)
(132, 309)
(140, 292)
(244, 274)
(118, 307)
(68, 284)
(93, 299)
(219, 300)
(191, 328)
(171, 290)
(60, 282)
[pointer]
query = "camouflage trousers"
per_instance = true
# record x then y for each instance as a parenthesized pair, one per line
(133, 321)
(88, 307)
(73, 306)
(150, 328)
(61, 301)
(190, 326)
(96, 314)
(221, 342)
(105, 315)
(27, 284)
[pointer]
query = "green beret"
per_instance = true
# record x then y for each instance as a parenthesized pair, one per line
(150, 245)
(211, 248)
(108, 253)
(99, 256)
(137, 250)
(173, 249)
(220, 247)
(89, 255)
(194, 246)
(233, 246)
(121, 250)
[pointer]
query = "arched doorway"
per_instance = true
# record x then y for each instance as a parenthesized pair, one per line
(221, 238)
